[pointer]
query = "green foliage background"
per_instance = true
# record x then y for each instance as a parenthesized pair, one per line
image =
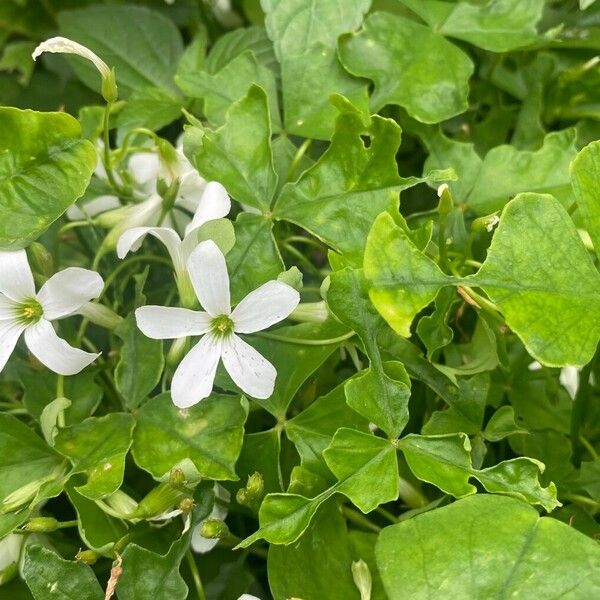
(424, 427)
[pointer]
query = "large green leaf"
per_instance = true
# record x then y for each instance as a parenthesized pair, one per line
(209, 434)
(238, 154)
(49, 576)
(45, 166)
(411, 66)
(500, 548)
(97, 447)
(496, 25)
(26, 462)
(555, 312)
(585, 173)
(142, 45)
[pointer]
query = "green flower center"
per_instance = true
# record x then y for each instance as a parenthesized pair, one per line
(222, 325)
(29, 311)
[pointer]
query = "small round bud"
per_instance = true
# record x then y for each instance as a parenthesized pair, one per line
(214, 529)
(177, 478)
(186, 505)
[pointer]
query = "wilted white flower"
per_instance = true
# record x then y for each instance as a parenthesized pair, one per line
(22, 310)
(63, 45)
(265, 306)
(569, 379)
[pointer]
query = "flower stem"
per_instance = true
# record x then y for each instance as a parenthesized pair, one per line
(305, 342)
(195, 575)
(297, 158)
(359, 519)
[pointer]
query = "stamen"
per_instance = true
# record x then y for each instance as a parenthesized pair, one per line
(222, 325)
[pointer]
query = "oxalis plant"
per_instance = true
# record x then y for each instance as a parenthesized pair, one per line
(299, 299)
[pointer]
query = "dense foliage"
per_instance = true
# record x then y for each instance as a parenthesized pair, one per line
(422, 176)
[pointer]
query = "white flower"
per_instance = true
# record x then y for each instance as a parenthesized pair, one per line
(62, 45)
(10, 551)
(199, 543)
(22, 310)
(265, 306)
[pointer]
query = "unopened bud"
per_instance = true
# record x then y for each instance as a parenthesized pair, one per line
(100, 315)
(310, 312)
(186, 505)
(445, 205)
(122, 503)
(251, 496)
(177, 351)
(41, 524)
(214, 529)
(362, 578)
(40, 259)
(88, 557)
(486, 223)
(177, 478)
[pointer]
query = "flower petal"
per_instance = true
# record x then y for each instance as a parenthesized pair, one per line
(214, 204)
(268, 304)
(54, 352)
(250, 371)
(144, 167)
(168, 322)
(91, 208)
(208, 272)
(194, 378)
(16, 279)
(68, 290)
(10, 331)
(8, 308)
(132, 239)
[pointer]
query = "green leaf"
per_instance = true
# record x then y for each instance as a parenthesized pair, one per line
(239, 155)
(544, 170)
(357, 460)
(499, 26)
(313, 429)
(254, 259)
(98, 530)
(339, 197)
(500, 548)
(40, 390)
(430, 75)
(230, 45)
(433, 329)
(150, 575)
(445, 461)
(209, 434)
(45, 166)
(309, 80)
(49, 576)
(26, 462)
(150, 107)
(297, 25)
(553, 312)
(50, 417)
(142, 45)
(97, 447)
(319, 565)
(585, 170)
(382, 392)
(17, 57)
(140, 364)
(230, 84)
(402, 279)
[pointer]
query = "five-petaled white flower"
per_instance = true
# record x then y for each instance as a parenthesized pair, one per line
(24, 310)
(265, 306)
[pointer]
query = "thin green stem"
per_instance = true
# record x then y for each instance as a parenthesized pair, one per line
(588, 446)
(387, 514)
(195, 575)
(306, 144)
(359, 519)
(579, 499)
(67, 524)
(305, 342)
(127, 263)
